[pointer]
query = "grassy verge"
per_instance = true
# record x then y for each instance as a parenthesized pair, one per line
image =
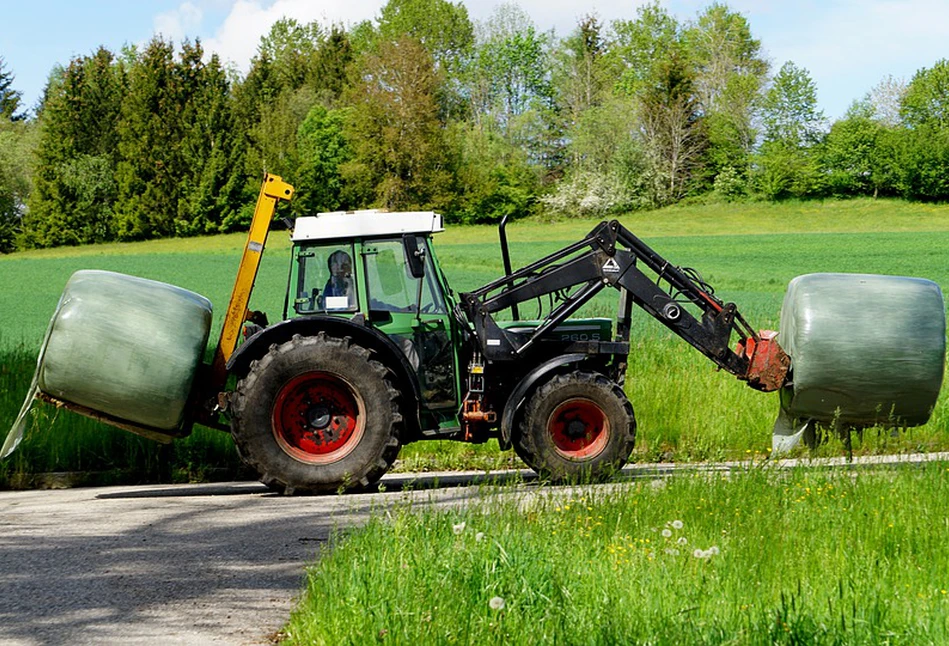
(758, 558)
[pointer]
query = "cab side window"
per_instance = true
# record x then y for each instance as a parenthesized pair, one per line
(392, 288)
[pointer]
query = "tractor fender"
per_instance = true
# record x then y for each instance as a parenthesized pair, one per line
(255, 347)
(519, 394)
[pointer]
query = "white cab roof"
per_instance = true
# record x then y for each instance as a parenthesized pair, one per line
(365, 224)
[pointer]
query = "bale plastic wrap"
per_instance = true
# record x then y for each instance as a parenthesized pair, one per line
(865, 349)
(15, 435)
(125, 346)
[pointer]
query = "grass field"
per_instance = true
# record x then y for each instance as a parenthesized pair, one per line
(761, 557)
(684, 408)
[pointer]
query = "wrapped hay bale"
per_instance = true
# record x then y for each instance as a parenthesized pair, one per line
(125, 346)
(865, 349)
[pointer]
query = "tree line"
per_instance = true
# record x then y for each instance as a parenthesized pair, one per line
(421, 108)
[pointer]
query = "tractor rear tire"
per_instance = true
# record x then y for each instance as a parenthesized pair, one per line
(317, 414)
(577, 427)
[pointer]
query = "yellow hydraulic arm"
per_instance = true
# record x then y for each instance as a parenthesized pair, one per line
(272, 191)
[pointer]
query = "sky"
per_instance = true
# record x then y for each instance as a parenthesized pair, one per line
(847, 46)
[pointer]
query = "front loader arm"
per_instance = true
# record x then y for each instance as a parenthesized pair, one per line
(272, 191)
(611, 255)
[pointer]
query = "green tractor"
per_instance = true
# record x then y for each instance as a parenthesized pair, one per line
(375, 350)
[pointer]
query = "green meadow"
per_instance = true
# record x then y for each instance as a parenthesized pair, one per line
(685, 409)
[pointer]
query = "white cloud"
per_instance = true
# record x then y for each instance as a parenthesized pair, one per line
(237, 38)
(179, 23)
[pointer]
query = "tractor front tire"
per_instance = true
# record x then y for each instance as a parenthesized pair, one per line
(317, 414)
(577, 427)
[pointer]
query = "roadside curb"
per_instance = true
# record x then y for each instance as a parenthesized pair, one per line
(434, 479)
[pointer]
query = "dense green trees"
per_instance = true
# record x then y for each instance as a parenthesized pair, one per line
(74, 182)
(136, 147)
(421, 108)
(729, 78)
(787, 161)
(400, 157)
(17, 141)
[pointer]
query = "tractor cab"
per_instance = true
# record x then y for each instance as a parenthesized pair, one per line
(381, 266)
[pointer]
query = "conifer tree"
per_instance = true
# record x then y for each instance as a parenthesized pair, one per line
(150, 132)
(9, 98)
(74, 191)
(212, 169)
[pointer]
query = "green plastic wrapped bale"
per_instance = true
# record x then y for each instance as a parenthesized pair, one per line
(865, 349)
(125, 346)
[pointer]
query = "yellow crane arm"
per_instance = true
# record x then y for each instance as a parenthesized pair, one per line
(272, 191)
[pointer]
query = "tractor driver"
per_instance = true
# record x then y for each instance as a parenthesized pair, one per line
(340, 283)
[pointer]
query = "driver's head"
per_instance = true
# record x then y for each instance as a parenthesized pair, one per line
(340, 263)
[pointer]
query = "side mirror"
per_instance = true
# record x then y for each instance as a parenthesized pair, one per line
(414, 255)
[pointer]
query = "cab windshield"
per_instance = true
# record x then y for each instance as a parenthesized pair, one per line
(326, 281)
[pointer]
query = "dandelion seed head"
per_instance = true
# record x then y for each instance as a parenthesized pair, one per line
(677, 524)
(479, 536)
(682, 540)
(459, 528)
(667, 533)
(713, 550)
(496, 603)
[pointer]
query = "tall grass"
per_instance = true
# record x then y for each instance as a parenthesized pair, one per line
(756, 558)
(60, 441)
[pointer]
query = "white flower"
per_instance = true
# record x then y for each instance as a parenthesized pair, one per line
(677, 524)
(496, 603)
(682, 540)
(704, 554)
(459, 528)
(667, 533)
(479, 536)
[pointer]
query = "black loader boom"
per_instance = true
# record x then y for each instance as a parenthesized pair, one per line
(612, 256)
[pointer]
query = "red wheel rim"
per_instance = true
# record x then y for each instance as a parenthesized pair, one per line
(579, 429)
(318, 418)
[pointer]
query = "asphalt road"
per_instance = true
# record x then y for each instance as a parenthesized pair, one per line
(171, 564)
(191, 564)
